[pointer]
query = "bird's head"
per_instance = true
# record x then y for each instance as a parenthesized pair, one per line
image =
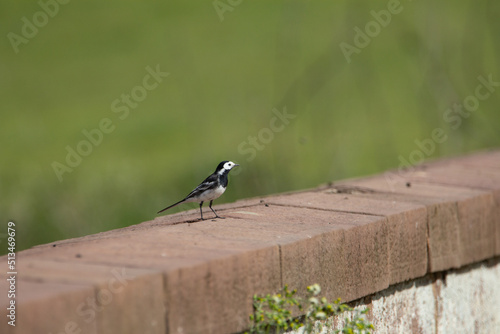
(225, 166)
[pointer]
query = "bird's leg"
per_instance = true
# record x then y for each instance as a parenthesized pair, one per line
(216, 215)
(201, 211)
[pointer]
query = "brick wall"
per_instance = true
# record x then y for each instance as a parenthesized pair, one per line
(176, 274)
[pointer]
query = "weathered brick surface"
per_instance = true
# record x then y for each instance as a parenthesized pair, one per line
(478, 171)
(354, 238)
(403, 230)
(116, 301)
(333, 254)
(461, 221)
(216, 297)
(45, 307)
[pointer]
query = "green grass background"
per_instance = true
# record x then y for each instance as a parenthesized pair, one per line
(226, 77)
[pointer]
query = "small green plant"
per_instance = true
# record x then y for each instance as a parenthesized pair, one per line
(273, 313)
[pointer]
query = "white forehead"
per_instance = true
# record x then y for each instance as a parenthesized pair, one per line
(229, 165)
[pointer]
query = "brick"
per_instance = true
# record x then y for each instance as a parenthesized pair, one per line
(120, 293)
(334, 258)
(460, 220)
(189, 216)
(458, 175)
(365, 260)
(193, 215)
(478, 229)
(405, 226)
(216, 297)
(473, 177)
(162, 248)
(444, 237)
(318, 259)
(338, 259)
(408, 253)
(328, 200)
(44, 307)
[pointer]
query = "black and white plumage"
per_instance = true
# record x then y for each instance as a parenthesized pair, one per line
(211, 188)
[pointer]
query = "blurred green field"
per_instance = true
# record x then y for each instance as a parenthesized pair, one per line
(225, 78)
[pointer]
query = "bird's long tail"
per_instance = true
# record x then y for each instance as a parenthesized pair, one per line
(168, 207)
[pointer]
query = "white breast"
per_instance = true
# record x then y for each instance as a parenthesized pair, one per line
(209, 196)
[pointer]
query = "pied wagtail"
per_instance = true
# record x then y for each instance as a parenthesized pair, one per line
(211, 188)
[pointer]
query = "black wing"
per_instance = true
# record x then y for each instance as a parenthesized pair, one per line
(210, 182)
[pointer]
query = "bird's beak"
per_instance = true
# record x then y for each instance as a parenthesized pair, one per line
(235, 165)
